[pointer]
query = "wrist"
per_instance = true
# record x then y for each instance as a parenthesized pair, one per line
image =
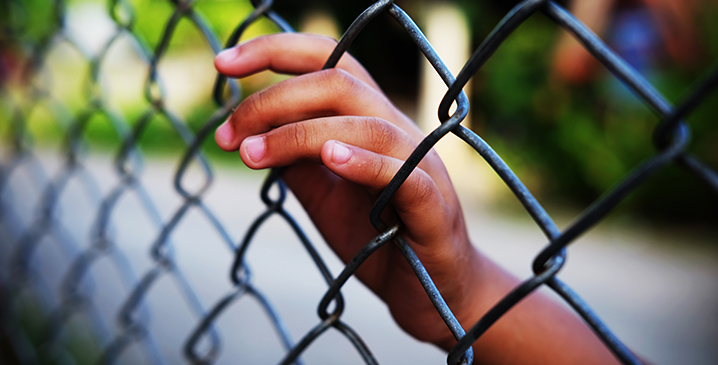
(466, 295)
(483, 283)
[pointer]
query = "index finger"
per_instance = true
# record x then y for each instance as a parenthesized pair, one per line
(289, 53)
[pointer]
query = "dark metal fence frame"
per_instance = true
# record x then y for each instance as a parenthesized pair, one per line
(20, 279)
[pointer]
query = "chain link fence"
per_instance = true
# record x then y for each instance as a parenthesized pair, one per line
(26, 292)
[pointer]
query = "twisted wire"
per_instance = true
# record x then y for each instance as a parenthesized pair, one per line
(23, 278)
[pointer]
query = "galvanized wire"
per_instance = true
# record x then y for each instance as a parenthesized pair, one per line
(22, 281)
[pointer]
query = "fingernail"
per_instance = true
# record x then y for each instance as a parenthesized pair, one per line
(340, 153)
(228, 55)
(255, 148)
(225, 133)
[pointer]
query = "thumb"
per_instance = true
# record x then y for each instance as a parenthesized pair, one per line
(418, 202)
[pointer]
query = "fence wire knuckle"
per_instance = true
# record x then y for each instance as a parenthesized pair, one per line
(22, 279)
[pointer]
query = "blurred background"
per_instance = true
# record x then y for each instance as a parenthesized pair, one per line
(559, 119)
(556, 116)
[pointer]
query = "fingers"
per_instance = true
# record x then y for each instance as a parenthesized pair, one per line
(303, 141)
(289, 53)
(371, 153)
(319, 94)
(418, 202)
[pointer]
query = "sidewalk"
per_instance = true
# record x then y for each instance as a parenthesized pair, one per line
(659, 297)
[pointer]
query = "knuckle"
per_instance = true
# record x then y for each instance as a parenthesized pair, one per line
(381, 172)
(341, 82)
(265, 41)
(301, 136)
(256, 103)
(422, 187)
(382, 135)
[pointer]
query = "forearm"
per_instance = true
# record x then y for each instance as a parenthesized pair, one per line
(538, 330)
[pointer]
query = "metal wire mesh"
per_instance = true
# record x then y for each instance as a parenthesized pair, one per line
(20, 279)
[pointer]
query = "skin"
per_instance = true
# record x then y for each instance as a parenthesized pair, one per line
(341, 141)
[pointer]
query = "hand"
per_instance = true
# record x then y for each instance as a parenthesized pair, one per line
(342, 141)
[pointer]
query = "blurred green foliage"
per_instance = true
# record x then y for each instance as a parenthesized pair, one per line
(570, 143)
(574, 142)
(65, 72)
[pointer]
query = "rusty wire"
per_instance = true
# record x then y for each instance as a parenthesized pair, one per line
(20, 279)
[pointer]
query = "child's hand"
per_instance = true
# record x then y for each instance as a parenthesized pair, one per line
(342, 141)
